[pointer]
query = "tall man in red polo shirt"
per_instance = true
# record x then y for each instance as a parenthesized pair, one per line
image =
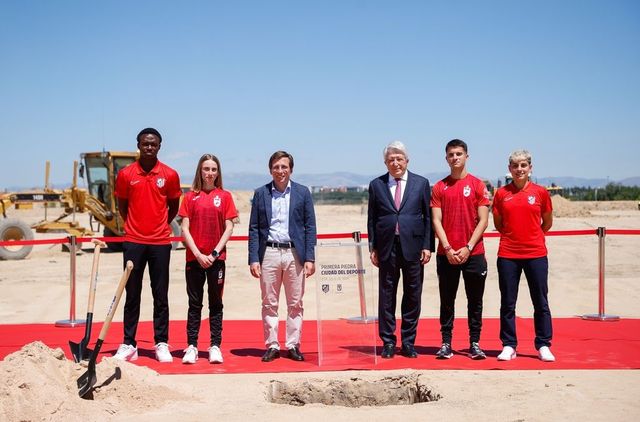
(148, 193)
(460, 210)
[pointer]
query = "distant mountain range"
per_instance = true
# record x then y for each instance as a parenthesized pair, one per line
(250, 181)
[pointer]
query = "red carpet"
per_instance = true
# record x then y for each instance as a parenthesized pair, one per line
(578, 344)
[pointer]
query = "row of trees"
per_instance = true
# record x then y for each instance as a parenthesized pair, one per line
(611, 192)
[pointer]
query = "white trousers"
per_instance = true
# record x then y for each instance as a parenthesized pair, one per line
(280, 267)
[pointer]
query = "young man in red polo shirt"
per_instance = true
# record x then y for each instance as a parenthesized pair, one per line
(460, 210)
(148, 193)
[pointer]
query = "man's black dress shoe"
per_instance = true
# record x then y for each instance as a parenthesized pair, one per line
(388, 350)
(295, 354)
(271, 354)
(408, 351)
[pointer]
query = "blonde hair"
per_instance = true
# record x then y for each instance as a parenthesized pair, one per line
(196, 186)
(519, 155)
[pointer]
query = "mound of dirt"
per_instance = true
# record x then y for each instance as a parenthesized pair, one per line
(562, 207)
(39, 383)
(242, 199)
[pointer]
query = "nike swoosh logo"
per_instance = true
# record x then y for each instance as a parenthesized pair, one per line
(133, 182)
(484, 273)
(508, 198)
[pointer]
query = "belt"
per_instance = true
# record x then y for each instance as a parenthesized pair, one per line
(281, 245)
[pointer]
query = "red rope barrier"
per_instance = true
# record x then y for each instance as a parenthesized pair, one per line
(614, 232)
(623, 232)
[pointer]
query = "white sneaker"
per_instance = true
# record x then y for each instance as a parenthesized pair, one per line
(545, 354)
(508, 353)
(126, 352)
(162, 353)
(215, 355)
(190, 354)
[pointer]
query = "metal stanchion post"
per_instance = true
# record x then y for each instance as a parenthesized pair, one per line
(363, 318)
(72, 321)
(601, 316)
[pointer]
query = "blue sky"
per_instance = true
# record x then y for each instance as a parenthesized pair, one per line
(332, 82)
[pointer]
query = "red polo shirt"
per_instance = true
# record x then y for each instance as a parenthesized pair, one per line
(207, 213)
(459, 201)
(147, 195)
(521, 211)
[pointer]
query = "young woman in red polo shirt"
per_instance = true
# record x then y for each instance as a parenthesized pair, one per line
(522, 213)
(207, 213)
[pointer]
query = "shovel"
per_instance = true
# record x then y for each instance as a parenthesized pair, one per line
(79, 350)
(88, 379)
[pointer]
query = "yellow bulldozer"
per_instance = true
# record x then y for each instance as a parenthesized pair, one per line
(99, 169)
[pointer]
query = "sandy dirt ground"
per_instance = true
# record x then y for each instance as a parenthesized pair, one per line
(36, 289)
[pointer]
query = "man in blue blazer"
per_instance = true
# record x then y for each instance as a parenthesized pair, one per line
(282, 239)
(400, 240)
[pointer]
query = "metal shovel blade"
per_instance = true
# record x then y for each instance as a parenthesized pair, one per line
(88, 379)
(80, 351)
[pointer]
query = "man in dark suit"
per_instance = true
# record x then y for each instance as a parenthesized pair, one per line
(400, 240)
(282, 239)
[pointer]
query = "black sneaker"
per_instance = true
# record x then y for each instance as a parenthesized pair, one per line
(475, 352)
(444, 352)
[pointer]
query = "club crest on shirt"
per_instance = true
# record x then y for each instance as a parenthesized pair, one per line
(531, 199)
(160, 182)
(466, 191)
(217, 201)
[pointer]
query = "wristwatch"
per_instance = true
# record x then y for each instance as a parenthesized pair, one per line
(470, 247)
(215, 254)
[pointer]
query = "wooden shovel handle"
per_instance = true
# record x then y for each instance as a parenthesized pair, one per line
(94, 273)
(116, 300)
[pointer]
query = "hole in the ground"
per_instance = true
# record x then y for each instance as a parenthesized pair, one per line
(353, 392)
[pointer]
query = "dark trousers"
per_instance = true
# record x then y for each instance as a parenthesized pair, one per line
(536, 270)
(157, 256)
(474, 273)
(196, 276)
(388, 279)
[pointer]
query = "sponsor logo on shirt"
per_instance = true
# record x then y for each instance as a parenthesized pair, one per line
(217, 201)
(160, 182)
(531, 199)
(466, 191)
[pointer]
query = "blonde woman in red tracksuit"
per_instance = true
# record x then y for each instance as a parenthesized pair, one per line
(522, 213)
(207, 213)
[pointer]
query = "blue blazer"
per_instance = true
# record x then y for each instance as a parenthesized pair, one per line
(302, 222)
(413, 218)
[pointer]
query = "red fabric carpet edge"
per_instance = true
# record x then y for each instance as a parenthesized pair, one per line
(578, 344)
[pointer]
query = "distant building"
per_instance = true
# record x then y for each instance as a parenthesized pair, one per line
(327, 189)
